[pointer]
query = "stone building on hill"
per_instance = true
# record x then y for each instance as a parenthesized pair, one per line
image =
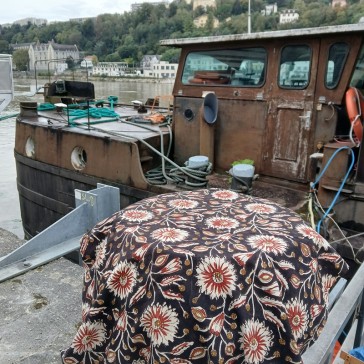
(51, 56)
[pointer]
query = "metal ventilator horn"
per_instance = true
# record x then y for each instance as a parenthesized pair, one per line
(210, 108)
(207, 121)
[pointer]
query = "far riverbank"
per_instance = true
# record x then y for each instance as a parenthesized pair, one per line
(82, 76)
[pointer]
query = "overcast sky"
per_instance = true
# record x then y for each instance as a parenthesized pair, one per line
(12, 10)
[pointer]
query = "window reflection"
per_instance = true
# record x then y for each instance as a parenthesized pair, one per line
(243, 67)
(357, 79)
(294, 71)
(335, 64)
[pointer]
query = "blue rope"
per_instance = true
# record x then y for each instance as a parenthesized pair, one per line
(341, 186)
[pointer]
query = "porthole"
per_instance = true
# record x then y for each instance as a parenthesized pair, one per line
(30, 148)
(188, 114)
(79, 158)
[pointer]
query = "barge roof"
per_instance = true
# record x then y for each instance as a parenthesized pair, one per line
(346, 28)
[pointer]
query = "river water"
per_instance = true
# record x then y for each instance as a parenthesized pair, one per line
(24, 90)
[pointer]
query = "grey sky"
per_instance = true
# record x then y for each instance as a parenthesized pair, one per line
(12, 10)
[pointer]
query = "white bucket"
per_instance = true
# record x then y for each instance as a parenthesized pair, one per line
(198, 161)
(243, 171)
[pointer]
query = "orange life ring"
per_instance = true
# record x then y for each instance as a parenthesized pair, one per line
(354, 101)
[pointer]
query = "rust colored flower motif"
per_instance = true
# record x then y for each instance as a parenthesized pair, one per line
(85, 240)
(298, 317)
(161, 323)
(217, 323)
(313, 235)
(216, 277)
(85, 310)
(139, 361)
(316, 310)
(199, 313)
(183, 204)
(89, 336)
(169, 235)
(122, 279)
(261, 208)
(225, 195)
(137, 215)
(203, 276)
(256, 340)
(89, 311)
(122, 321)
(172, 267)
(100, 254)
(268, 244)
(222, 223)
(327, 282)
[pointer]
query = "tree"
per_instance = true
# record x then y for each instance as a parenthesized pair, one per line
(209, 26)
(70, 63)
(238, 8)
(4, 46)
(21, 59)
(200, 10)
(113, 57)
(171, 55)
(95, 60)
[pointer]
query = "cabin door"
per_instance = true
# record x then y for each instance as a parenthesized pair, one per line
(290, 115)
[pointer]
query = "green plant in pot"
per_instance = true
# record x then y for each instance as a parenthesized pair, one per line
(243, 161)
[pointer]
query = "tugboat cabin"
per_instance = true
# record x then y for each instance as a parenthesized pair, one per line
(289, 102)
(281, 101)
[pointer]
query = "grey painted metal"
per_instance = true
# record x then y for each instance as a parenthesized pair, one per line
(336, 292)
(359, 337)
(180, 42)
(347, 304)
(63, 236)
(7, 83)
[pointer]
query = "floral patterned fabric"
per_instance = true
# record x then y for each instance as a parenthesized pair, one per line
(209, 276)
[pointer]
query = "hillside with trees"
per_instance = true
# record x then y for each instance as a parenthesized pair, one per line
(129, 36)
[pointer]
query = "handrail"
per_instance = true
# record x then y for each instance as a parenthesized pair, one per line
(352, 299)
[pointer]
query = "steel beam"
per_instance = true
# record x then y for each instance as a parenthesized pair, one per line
(63, 236)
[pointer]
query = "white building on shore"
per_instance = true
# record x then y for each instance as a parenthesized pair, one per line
(110, 69)
(162, 70)
(288, 16)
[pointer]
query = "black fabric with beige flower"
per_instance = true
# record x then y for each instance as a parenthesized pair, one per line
(208, 276)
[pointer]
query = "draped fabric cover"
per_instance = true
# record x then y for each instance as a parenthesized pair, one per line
(208, 276)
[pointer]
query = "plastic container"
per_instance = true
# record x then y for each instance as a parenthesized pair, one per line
(243, 171)
(198, 161)
(242, 177)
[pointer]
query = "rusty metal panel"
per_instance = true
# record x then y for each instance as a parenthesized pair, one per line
(240, 132)
(187, 114)
(287, 128)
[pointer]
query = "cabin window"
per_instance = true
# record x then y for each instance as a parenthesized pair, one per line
(357, 79)
(242, 67)
(294, 70)
(335, 64)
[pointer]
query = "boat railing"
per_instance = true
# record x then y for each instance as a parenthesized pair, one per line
(347, 308)
(56, 60)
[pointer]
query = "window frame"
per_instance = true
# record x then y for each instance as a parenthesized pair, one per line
(340, 73)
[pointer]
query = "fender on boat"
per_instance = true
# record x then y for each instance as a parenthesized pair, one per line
(354, 101)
